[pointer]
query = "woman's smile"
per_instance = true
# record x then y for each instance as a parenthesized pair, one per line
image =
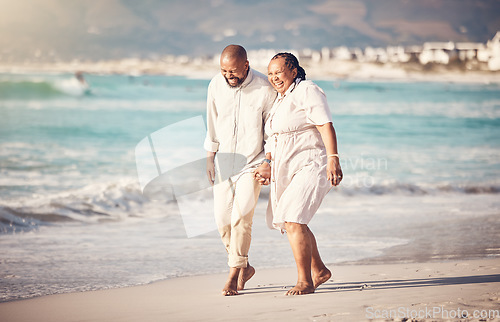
(280, 75)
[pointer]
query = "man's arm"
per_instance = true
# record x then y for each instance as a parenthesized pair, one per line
(266, 111)
(263, 173)
(211, 144)
(211, 167)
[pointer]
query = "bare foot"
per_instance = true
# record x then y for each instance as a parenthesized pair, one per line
(244, 276)
(230, 288)
(300, 289)
(232, 282)
(321, 277)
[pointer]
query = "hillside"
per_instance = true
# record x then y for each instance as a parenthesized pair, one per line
(59, 29)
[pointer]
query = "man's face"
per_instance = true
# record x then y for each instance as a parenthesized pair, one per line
(234, 71)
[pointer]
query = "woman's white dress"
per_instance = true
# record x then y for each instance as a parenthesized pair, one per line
(299, 180)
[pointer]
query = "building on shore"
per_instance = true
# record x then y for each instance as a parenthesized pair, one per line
(429, 53)
(491, 53)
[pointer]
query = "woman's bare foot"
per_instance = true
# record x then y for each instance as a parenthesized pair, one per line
(244, 276)
(300, 289)
(321, 277)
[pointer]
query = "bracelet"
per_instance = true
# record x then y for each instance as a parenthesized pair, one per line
(268, 161)
(333, 155)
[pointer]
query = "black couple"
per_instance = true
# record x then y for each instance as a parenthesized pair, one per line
(282, 125)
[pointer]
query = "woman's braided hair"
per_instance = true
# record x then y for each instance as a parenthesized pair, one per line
(292, 63)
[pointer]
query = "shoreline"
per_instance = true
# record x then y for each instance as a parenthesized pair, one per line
(470, 236)
(356, 292)
(334, 71)
(430, 226)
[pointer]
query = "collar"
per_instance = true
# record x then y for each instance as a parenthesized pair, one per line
(248, 79)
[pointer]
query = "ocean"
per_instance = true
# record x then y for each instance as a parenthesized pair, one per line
(420, 161)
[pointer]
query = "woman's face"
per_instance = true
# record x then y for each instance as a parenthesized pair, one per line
(279, 75)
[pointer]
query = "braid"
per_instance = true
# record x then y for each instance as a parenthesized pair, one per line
(292, 63)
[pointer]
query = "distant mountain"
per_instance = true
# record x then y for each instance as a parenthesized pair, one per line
(95, 29)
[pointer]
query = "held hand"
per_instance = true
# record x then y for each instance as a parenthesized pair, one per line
(263, 174)
(211, 170)
(333, 171)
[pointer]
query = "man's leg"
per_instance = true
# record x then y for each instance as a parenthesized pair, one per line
(247, 191)
(223, 205)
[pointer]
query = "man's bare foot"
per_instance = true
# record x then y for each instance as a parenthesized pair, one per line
(244, 276)
(232, 282)
(300, 289)
(321, 277)
(230, 288)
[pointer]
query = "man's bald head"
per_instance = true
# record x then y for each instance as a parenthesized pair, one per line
(234, 52)
(234, 65)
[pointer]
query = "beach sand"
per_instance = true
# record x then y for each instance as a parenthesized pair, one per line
(424, 291)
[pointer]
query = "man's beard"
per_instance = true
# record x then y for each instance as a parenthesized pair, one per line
(238, 83)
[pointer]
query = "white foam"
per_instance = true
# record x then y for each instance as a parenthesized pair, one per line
(95, 104)
(71, 86)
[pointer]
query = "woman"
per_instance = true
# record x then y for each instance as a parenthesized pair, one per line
(305, 164)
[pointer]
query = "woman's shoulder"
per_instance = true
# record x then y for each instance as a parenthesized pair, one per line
(308, 86)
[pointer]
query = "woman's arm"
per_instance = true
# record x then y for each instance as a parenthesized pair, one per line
(329, 137)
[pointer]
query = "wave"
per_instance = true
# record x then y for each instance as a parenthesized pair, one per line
(489, 109)
(124, 201)
(38, 87)
(416, 189)
(408, 189)
(95, 203)
(99, 104)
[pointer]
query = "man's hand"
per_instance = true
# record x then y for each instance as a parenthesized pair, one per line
(263, 173)
(211, 167)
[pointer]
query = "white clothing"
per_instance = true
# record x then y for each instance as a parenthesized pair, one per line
(299, 181)
(236, 118)
(235, 130)
(234, 205)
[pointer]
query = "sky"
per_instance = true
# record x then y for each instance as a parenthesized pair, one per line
(103, 29)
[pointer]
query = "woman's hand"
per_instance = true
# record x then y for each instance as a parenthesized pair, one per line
(329, 137)
(263, 174)
(333, 171)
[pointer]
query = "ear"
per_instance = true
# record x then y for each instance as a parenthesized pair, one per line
(294, 72)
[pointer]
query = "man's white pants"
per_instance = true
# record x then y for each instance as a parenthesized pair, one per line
(234, 205)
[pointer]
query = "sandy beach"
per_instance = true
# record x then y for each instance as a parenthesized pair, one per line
(106, 213)
(411, 234)
(429, 291)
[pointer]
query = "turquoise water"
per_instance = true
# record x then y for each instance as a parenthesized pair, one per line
(447, 131)
(68, 179)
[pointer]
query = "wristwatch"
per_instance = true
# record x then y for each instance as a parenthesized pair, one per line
(268, 161)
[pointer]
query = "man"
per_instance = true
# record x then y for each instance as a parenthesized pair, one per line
(239, 100)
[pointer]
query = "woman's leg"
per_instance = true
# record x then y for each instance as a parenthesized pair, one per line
(300, 241)
(320, 273)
